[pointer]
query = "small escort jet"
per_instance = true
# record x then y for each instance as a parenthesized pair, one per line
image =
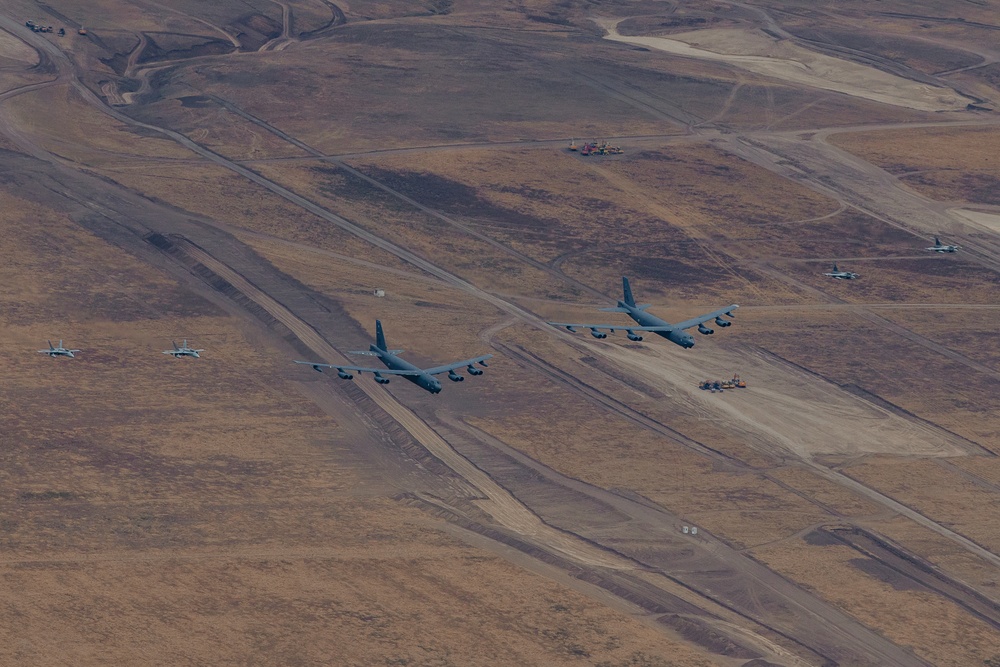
(841, 275)
(183, 351)
(58, 351)
(942, 247)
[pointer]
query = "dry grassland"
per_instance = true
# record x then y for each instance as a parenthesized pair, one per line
(844, 502)
(653, 228)
(936, 629)
(472, 258)
(226, 198)
(926, 280)
(719, 194)
(446, 102)
(969, 331)
(430, 319)
(89, 137)
(567, 433)
(206, 511)
(830, 343)
(787, 109)
(943, 163)
(14, 53)
(209, 124)
(945, 495)
(942, 552)
(558, 202)
(175, 511)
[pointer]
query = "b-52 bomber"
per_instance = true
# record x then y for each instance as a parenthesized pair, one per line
(58, 351)
(675, 333)
(840, 275)
(183, 351)
(942, 247)
(422, 377)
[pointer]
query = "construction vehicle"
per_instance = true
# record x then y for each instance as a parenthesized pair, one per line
(739, 383)
(572, 145)
(728, 384)
(603, 148)
(62, 32)
(81, 31)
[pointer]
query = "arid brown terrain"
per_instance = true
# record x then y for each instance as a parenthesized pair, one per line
(244, 174)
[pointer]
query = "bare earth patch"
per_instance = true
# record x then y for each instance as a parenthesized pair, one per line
(755, 51)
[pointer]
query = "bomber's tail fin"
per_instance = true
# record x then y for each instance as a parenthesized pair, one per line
(50, 345)
(629, 299)
(60, 343)
(937, 241)
(835, 269)
(380, 336)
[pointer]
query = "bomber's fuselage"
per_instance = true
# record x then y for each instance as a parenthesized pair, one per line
(644, 319)
(392, 362)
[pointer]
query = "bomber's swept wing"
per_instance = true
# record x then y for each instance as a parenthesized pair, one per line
(389, 371)
(686, 324)
(695, 321)
(458, 364)
(360, 369)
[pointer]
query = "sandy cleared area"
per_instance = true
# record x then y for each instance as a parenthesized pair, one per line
(758, 52)
(784, 409)
(990, 221)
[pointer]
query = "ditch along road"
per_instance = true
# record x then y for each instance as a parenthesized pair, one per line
(847, 631)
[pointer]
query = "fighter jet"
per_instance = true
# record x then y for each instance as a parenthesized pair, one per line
(672, 332)
(941, 247)
(183, 351)
(422, 377)
(59, 351)
(841, 275)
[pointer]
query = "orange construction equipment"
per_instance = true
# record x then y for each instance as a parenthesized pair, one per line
(737, 382)
(81, 31)
(573, 146)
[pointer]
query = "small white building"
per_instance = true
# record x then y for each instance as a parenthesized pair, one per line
(379, 291)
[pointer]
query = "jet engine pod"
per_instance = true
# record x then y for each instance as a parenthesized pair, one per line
(474, 371)
(381, 380)
(598, 334)
(344, 375)
(455, 377)
(721, 322)
(317, 368)
(702, 329)
(633, 335)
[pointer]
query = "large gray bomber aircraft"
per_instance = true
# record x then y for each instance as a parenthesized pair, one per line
(675, 333)
(422, 377)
